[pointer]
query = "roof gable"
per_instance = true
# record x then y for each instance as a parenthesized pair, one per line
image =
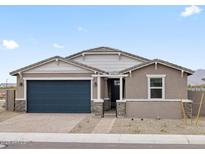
(107, 50)
(107, 62)
(50, 66)
(58, 66)
(155, 61)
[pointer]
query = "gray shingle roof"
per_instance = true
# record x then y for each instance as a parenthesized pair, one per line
(189, 71)
(107, 49)
(145, 62)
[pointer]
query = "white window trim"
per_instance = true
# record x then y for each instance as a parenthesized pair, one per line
(149, 76)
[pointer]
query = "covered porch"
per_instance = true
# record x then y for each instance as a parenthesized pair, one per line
(110, 93)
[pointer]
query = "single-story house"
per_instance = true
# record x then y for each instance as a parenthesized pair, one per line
(102, 79)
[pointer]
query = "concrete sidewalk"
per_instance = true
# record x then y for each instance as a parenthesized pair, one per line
(102, 138)
(104, 126)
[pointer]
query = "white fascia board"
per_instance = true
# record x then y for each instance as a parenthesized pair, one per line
(109, 75)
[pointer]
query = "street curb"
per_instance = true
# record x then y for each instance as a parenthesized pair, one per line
(102, 138)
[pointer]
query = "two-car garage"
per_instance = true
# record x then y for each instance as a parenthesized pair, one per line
(58, 96)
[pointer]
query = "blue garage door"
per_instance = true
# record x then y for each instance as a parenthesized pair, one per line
(58, 96)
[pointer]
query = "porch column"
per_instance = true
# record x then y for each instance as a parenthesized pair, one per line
(106, 88)
(98, 88)
(121, 88)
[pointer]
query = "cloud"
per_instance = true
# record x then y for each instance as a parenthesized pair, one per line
(82, 29)
(10, 44)
(191, 10)
(58, 46)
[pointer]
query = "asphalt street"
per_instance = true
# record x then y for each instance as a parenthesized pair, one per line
(49, 145)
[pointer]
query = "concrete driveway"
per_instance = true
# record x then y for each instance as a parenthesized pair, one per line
(42, 122)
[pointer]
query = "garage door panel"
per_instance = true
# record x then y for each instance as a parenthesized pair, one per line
(58, 96)
(58, 102)
(59, 109)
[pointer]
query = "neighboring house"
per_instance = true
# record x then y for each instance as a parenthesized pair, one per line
(2, 94)
(196, 79)
(102, 79)
(4, 85)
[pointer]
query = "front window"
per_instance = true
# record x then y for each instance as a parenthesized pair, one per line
(155, 87)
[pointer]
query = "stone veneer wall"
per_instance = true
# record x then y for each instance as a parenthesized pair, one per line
(121, 109)
(188, 109)
(20, 105)
(107, 105)
(98, 109)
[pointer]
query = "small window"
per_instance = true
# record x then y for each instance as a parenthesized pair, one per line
(155, 87)
(116, 82)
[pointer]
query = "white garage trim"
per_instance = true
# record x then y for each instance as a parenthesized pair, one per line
(52, 78)
(59, 78)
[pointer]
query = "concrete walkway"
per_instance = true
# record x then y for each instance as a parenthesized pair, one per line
(102, 138)
(104, 126)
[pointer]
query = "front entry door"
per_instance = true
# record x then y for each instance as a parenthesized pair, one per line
(115, 94)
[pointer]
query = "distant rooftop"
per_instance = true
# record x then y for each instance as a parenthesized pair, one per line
(7, 84)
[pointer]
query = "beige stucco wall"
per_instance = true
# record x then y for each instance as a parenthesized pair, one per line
(161, 110)
(175, 86)
(20, 89)
(94, 88)
(102, 89)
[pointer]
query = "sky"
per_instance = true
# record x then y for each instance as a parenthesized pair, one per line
(29, 34)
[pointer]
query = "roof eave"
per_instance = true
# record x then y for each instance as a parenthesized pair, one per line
(114, 50)
(188, 71)
(16, 72)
